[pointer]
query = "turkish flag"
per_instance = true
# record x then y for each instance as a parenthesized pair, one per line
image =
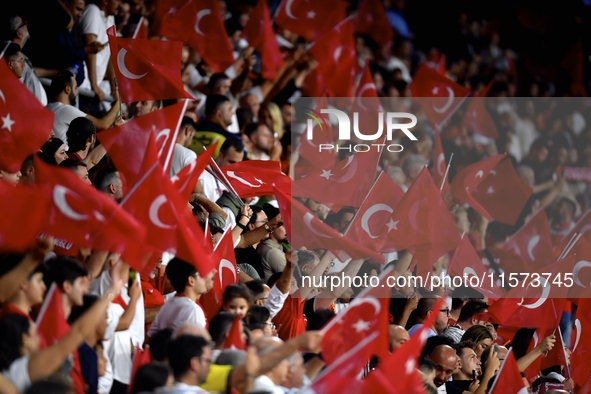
(163, 9)
(234, 338)
(502, 194)
(397, 373)
(532, 242)
(440, 164)
(372, 21)
(530, 303)
(309, 148)
(259, 33)
(477, 118)
(508, 378)
(253, 178)
(466, 264)
(141, 31)
(366, 314)
(337, 59)
(581, 354)
(441, 67)
(581, 272)
(373, 221)
(187, 178)
(438, 95)
(342, 375)
(366, 105)
(305, 229)
(170, 227)
(212, 300)
(141, 358)
(23, 214)
(25, 124)
(582, 227)
(147, 69)
(422, 222)
(344, 184)
(310, 19)
(199, 24)
(51, 322)
(127, 144)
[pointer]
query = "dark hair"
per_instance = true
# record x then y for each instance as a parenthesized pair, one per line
(237, 291)
(231, 143)
(463, 293)
(256, 287)
(104, 178)
(273, 278)
(59, 83)
(252, 128)
(463, 345)
(159, 342)
(521, 341)
(50, 386)
(336, 217)
(182, 350)
(219, 326)
(10, 51)
(255, 211)
(62, 269)
(151, 376)
(307, 257)
(215, 79)
(49, 149)
(12, 328)
(434, 341)
(72, 164)
(187, 121)
(497, 230)
(476, 334)
(270, 211)
(79, 131)
(245, 117)
(213, 229)
(427, 365)
(214, 102)
(472, 307)
(257, 317)
(178, 271)
(77, 311)
(425, 305)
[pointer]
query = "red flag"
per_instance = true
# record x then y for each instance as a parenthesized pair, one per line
(372, 20)
(533, 303)
(337, 59)
(199, 24)
(259, 33)
(580, 359)
(310, 19)
(309, 149)
(170, 227)
(477, 118)
(508, 378)
(439, 164)
(444, 95)
(165, 8)
(127, 144)
(422, 222)
(502, 193)
(532, 242)
(186, 179)
(212, 300)
(141, 358)
(25, 123)
(398, 372)
(141, 30)
(234, 338)
(254, 178)
(441, 67)
(551, 358)
(359, 320)
(582, 227)
(467, 264)
(147, 69)
(339, 377)
(51, 322)
(373, 221)
(345, 184)
(23, 214)
(367, 104)
(307, 230)
(581, 272)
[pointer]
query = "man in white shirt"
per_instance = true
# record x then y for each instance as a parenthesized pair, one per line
(91, 27)
(182, 155)
(189, 358)
(272, 379)
(63, 94)
(183, 307)
(232, 151)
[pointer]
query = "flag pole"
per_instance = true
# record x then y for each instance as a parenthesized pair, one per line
(226, 181)
(564, 352)
(567, 246)
(572, 245)
(139, 25)
(355, 217)
(546, 354)
(446, 172)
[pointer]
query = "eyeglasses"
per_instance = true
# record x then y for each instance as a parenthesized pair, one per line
(445, 310)
(272, 325)
(25, 23)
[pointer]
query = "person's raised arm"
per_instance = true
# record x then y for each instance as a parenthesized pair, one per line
(89, 39)
(284, 281)
(491, 366)
(252, 237)
(329, 295)
(316, 274)
(209, 205)
(546, 345)
(110, 118)
(6, 387)
(127, 317)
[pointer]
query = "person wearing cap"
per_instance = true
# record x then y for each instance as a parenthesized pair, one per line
(182, 155)
(271, 249)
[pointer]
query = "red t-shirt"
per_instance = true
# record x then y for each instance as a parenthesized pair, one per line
(76, 375)
(9, 309)
(290, 320)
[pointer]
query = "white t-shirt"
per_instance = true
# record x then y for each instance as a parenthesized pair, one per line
(275, 301)
(18, 374)
(183, 387)
(181, 157)
(64, 115)
(106, 382)
(264, 383)
(176, 312)
(93, 21)
(212, 188)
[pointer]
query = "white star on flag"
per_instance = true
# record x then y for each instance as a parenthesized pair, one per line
(392, 225)
(311, 15)
(7, 122)
(409, 366)
(435, 90)
(490, 190)
(326, 174)
(172, 10)
(361, 325)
